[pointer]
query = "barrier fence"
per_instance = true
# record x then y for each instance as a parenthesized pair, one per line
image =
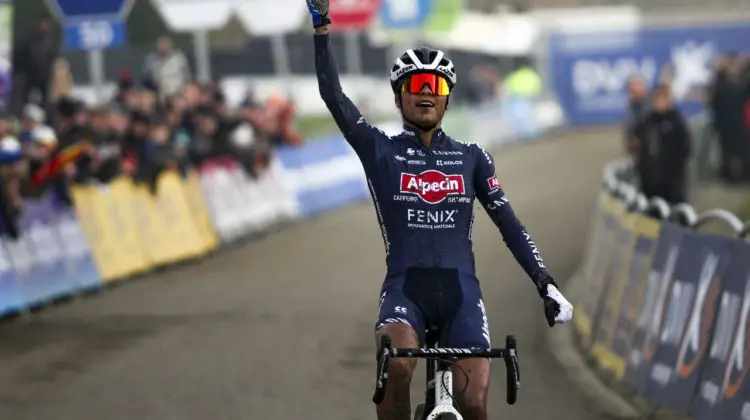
(121, 229)
(663, 309)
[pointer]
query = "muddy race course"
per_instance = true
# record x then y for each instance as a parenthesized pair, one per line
(281, 328)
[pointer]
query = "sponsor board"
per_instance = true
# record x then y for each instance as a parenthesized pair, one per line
(690, 310)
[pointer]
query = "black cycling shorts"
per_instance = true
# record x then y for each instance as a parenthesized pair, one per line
(436, 298)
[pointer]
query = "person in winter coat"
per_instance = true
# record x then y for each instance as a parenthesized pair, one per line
(662, 147)
(167, 69)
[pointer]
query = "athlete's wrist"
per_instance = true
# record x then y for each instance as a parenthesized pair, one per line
(542, 281)
(321, 30)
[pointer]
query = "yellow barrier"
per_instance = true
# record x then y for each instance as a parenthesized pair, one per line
(615, 279)
(199, 210)
(132, 230)
(592, 281)
(626, 300)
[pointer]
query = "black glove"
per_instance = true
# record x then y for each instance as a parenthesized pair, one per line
(551, 306)
(319, 12)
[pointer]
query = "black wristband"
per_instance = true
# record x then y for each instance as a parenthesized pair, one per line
(325, 21)
(542, 281)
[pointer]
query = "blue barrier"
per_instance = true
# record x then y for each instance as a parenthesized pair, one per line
(49, 260)
(590, 73)
(324, 174)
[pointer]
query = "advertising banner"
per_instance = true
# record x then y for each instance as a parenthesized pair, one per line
(631, 298)
(615, 281)
(722, 392)
(648, 325)
(352, 14)
(222, 197)
(590, 73)
(322, 175)
(94, 221)
(593, 283)
(405, 14)
(152, 228)
(37, 255)
(199, 209)
(689, 313)
(79, 266)
(11, 300)
(625, 294)
(122, 229)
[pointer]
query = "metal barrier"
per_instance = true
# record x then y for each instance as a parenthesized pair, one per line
(618, 181)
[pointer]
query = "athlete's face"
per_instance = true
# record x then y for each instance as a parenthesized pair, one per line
(423, 108)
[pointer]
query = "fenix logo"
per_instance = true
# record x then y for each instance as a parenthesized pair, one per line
(432, 186)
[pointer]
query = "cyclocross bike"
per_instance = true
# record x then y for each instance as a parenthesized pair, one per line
(440, 403)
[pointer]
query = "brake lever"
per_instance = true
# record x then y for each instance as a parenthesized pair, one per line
(383, 357)
(512, 371)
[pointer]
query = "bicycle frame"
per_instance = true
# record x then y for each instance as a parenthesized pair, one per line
(439, 376)
(439, 391)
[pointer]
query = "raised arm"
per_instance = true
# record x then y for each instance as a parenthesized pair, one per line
(360, 135)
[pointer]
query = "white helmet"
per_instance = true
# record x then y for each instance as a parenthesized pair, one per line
(422, 60)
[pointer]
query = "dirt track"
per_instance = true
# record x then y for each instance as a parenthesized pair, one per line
(282, 328)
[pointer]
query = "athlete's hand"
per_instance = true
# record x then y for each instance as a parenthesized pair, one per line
(557, 309)
(319, 12)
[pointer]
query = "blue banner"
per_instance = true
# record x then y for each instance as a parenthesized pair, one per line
(648, 325)
(405, 14)
(37, 255)
(688, 319)
(79, 267)
(11, 300)
(590, 72)
(323, 175)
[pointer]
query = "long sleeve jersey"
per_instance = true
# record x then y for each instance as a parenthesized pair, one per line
(424, 196)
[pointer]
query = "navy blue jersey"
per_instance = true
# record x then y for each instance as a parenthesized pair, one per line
(424, 196)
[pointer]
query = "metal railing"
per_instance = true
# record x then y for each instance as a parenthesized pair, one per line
(619, 182)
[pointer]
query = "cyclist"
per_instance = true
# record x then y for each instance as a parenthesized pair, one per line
(423, 184)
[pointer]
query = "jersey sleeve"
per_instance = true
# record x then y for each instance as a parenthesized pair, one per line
(358, 133)
(492, 197)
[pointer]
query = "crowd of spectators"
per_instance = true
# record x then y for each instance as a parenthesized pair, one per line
(660, 140)
(165, 120)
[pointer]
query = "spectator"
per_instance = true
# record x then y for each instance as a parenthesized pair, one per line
(482, 85)
(158, 154)
(37, 140)
(202, 146)
(33, 64)
(106, 156)
(62, 80)
(125, 88)
(662, 148)
(726, 103)
(166, 70)
(12, 171)
(637, 108)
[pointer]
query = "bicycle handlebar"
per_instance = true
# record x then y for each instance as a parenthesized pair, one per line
(508, 354)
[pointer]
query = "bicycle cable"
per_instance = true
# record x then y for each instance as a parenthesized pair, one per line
(451, 363)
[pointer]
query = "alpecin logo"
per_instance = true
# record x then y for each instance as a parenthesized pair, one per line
(432, 186)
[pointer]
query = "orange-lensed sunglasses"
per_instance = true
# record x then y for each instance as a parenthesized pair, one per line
(415, 82)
